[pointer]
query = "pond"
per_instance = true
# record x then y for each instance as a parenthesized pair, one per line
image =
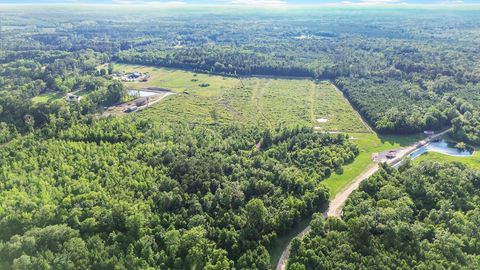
(444, 147)
(141, 93)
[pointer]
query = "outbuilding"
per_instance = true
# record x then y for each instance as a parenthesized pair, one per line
(72, 98)
(392, 154)
(141, 102)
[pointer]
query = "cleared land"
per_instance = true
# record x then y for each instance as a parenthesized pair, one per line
(267, 102)
(47, 97)
(471, 161)
(368, 143)
(179, 80)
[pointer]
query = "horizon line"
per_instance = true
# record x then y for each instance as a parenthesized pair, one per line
(227, 4)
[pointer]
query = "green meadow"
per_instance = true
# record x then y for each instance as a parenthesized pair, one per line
(47, 97)
(270, 102)
(471, 161)
(179, 80)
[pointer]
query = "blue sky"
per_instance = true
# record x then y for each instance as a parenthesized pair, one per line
(249, 2)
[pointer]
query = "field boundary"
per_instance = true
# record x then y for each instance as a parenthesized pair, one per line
(364, 121)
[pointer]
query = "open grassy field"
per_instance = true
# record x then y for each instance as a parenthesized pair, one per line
(47, 97)
(472, 161)
(179, 80)
(368, 143)
(268, 102)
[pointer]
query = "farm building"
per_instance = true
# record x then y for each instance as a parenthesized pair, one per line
(72, 98)
(392, 154)
(134, 77)
(141, 102)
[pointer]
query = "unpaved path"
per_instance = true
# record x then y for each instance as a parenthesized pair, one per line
(258, 93)
(335, 206)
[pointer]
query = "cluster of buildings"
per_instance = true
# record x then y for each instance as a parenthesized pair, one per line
(132, 77)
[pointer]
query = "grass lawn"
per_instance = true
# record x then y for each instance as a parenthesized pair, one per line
(368, 144)
(471, 161)
(179, 80)
(47, 97)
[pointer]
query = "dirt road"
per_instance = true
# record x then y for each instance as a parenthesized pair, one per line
(335, 207)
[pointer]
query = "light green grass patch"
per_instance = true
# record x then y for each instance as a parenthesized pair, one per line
(47, 97)
(252, 101)
(178, 80)
(470, 161)
(368, 144)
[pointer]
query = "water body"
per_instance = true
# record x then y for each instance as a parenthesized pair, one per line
(141, 93)
(443, 147)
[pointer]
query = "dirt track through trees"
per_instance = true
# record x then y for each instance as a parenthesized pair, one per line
(335, 206)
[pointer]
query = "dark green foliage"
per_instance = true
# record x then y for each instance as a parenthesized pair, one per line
(395, 65)
(424, 217)
(119, 193)
(394, 106)
(24, 80)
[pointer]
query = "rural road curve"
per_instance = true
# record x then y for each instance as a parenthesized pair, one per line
(335, 206)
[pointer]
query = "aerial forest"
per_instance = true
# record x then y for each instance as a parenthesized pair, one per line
(420, 217)
(80, 190)
(123, 194)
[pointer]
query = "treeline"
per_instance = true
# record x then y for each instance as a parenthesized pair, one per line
(416, 103)
(216, 61)
(423, 217)
(405, 107)
(24, 81)
(397, 67)
(393, 106)
(124, 194)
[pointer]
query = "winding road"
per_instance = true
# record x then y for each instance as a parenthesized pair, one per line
(335, 206)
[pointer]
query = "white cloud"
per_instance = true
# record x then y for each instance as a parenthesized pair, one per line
(148, 2)
(380, 1)
(369, 2)
(259, 2)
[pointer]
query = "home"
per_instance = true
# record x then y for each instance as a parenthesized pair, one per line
(392, 154)
(72, 98)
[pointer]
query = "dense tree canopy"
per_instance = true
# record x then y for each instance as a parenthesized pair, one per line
(123, 194)
(397, 66)
(424, 217)
(79, 193)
